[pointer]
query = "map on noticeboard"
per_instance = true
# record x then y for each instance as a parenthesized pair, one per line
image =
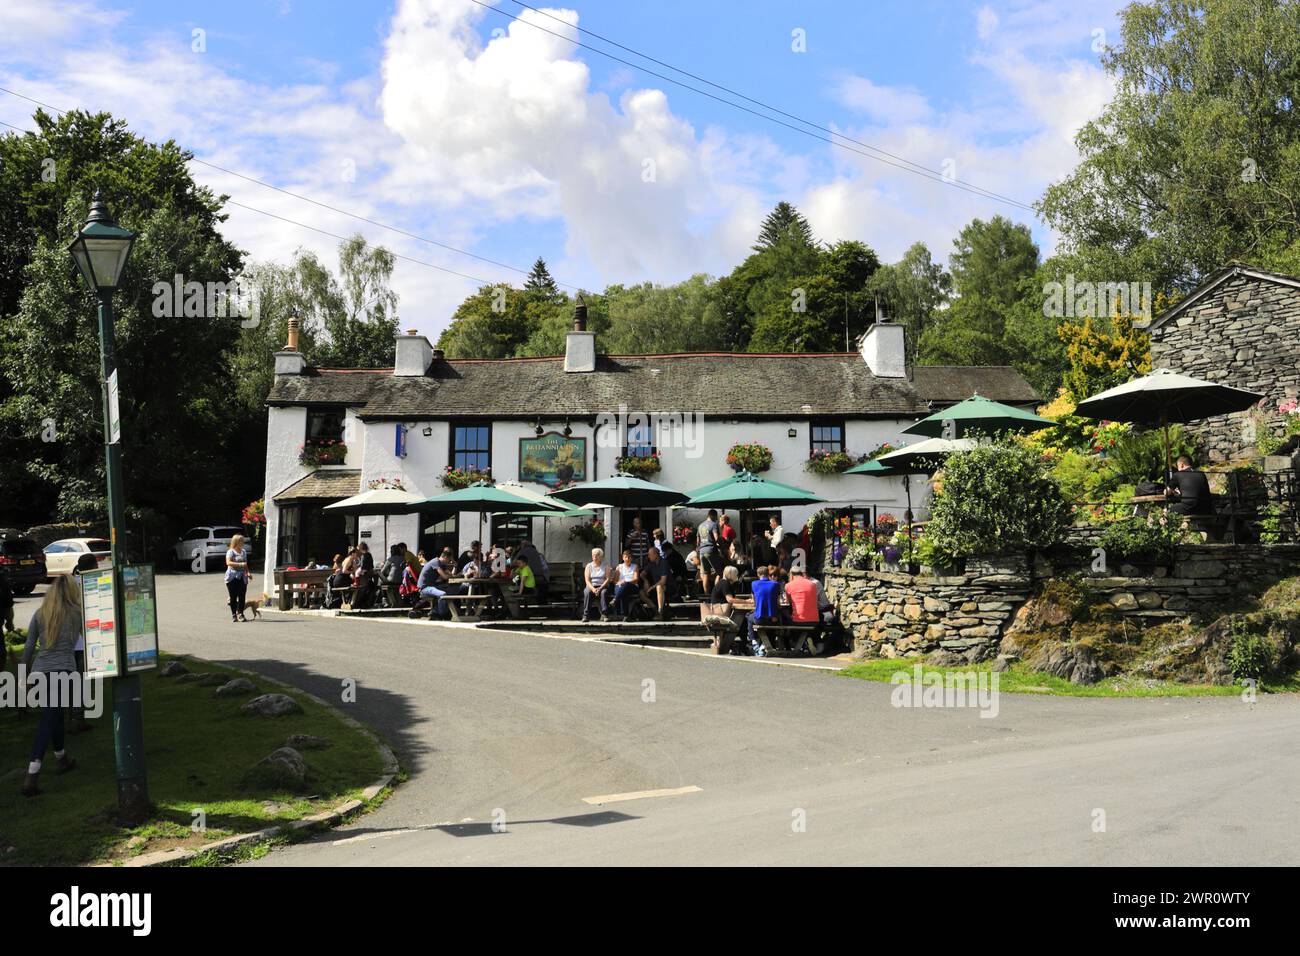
(140, 629)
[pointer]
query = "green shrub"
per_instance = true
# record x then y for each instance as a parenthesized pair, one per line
(1150, 537)
(1140, 456)
(997, 499)
(1249, 655)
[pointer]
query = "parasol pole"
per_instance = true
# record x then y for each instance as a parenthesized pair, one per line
(1164, 424)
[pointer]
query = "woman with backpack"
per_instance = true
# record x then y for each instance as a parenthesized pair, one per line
(54, 628)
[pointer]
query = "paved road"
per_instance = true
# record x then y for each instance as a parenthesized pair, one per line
(527, 726)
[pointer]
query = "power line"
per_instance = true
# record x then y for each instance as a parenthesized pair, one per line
(905, 165)
(303, 225)
(766, 106)
(323, 205)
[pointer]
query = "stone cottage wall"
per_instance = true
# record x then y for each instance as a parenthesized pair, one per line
(893, 615)
(1246, 333)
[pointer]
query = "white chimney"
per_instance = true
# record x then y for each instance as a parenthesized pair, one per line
(884, 350)
(579, 344)
(414, 353)
(289, 361)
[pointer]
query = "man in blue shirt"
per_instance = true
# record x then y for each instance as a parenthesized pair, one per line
(766, 593)
(431, 575)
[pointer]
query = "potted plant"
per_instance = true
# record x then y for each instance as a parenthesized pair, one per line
(254, 516)
(822, 462)
(639, 466)
(752, 457)
(316, 452)
(591, 533)
(457, 478)
(683, 533)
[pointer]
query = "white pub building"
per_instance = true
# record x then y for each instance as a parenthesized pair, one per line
(545, 422)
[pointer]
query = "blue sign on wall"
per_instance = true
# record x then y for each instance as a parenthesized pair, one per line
(399, 441)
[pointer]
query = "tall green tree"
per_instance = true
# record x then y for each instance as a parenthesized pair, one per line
(911, 291)
(784, 224)
(178, 428)
(1196, 159)
(539, 285)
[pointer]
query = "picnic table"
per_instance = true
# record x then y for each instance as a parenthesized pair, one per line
(295, 582)
(469, 607)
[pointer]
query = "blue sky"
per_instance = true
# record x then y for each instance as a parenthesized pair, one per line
(448, 120)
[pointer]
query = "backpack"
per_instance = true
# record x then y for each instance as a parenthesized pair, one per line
(391, 573)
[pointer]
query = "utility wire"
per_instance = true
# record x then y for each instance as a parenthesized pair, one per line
(897, 162)
(323, 205)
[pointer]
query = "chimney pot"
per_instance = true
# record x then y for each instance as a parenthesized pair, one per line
(292, 345)
(580, 316)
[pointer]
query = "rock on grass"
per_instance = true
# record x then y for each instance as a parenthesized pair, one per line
(283, 769)
(308, 742)
(236, 688)
(272, 705)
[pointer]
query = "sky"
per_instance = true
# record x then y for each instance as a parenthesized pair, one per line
(471, 143)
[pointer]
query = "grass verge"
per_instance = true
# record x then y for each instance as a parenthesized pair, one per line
(197, 750)
(1017, 680)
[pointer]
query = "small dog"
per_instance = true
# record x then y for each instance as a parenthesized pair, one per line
(255, 606)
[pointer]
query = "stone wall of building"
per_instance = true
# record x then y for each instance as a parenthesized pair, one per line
(893, 615)
(1245, 333)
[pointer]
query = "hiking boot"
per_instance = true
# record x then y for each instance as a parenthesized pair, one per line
(30, 789)
(65, 764)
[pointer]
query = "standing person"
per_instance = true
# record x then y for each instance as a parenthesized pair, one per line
(363, 577)
(596, 578)
(726, 533)
(54, 627)
(237, 577)
(6, 606)
(660, 545)
(637, 541)
(775, 534)
(707, 549)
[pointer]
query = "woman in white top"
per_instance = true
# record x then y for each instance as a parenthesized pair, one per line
(237, 577)
(597, 578)
(628, 588)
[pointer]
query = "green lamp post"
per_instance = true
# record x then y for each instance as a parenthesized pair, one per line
(100, 251)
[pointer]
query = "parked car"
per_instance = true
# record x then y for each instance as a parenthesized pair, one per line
(23, 560)
(61, 556)
(211, 540)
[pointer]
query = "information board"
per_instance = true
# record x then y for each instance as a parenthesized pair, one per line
(99, 623)
(140, 629)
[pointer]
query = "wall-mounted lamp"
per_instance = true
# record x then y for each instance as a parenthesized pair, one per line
(428, 431)
(792, 432)
(537, 427)
(568, 429)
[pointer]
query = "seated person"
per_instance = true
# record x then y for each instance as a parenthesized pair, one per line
(524, 579)
(730, 591)
(766, 592)
(537, 564)
(597, 585)
(784, 561)
(655, 579)
(803, 599)
(1188, 491)
(432, 586)
(626, 585)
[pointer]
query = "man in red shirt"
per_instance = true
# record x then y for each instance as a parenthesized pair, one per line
(803, 598)
(727, 533)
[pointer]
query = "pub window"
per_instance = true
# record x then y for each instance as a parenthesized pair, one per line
(640, 438)
(471, 447)
(325, 424)
(826, 436)
(509, 530)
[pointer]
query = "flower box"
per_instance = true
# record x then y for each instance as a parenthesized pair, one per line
(749, 457)
(457, 478)
(639, 466)
(320, 452)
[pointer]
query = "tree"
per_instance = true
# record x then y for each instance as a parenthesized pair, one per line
(355, 311)
(784, 224)
(989, 264)
(175, 397)
(1196, 159)
(492, 323)
(824, 311)
(911, 291)
(1102, 355)
(539, 285)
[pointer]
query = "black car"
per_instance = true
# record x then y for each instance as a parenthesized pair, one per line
(25, 563)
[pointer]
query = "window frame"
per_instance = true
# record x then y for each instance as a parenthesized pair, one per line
(452, 450)
(315, 412)
(647, 449)
(815, 444)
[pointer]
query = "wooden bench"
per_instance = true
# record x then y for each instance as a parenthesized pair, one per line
(564, 590)
(300, 583)
(776, 639)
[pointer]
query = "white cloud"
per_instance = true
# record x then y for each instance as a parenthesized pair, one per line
(884, 104)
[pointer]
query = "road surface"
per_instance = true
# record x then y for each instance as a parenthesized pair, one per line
(743, 762)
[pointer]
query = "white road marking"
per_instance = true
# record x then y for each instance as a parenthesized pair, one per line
(640, 795)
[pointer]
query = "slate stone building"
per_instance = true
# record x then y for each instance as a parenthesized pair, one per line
(1240, 327)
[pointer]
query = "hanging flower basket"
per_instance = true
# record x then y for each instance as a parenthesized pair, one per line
(386, 483)
(828, 462)
(590, 533)
(458, 478)
(639, 466)
(749, 457)
(254, 516)
(317, 452)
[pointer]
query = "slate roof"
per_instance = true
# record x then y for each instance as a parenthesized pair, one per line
(1212, 282)
(723, 385)
(323, 483)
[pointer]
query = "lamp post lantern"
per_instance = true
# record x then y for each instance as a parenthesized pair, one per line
(100, 251)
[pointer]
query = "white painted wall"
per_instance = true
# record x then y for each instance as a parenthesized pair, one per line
(371, 448)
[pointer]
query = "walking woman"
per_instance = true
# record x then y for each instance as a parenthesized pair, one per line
(54, 627)
(237, 577)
